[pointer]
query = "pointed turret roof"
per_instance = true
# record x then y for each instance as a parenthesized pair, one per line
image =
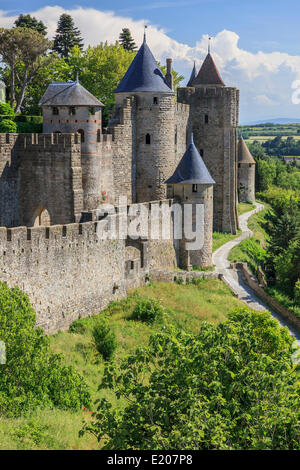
(68, 94)
(193, 75)
(244, 155)
(144, 74)
(208, 74)
(191, 169)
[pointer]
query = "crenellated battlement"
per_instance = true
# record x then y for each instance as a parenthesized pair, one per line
(48, 141)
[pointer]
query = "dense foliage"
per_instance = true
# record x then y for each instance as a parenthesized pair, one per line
(8, 126)
(6, 110)
(126, 40)
(104, 339)
(32, 376)
(233, 386)
(67, 36)
(28, 21)
(148, 310)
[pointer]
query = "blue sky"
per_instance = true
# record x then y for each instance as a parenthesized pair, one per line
(256, 44)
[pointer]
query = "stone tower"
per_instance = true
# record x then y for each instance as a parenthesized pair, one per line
(214, 120)
(154, 123)
(246, 173)
(192, 184)
(193, 75)
(70, 108)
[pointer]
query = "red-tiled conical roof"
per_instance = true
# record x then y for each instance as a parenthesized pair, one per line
(208, 74)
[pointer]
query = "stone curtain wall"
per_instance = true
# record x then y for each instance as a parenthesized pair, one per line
(50, 176)
(9, 203)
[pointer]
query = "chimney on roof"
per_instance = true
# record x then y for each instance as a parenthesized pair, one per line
(169, 76)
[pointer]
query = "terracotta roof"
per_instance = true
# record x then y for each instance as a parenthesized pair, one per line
(68, 94)
(193, 76)
(208, 74)
(144, 74)
(191, 169)
(244, 155)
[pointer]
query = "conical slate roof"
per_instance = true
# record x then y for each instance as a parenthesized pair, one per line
(144, 74)
(68, 94)
(244, 155)
(193, 76)
(191, 169)
(208, 74)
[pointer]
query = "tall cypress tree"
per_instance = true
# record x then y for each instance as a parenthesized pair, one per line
(67, 36)
(126, 40)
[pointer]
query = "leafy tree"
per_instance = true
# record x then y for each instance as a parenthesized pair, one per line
(8, 126)
(32, 375)
(27, 21)
(6, 109)
(22, 46)
(67, 36)
(241, 390)
(126, 40)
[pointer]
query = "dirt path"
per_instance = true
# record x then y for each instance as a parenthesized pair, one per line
(234, 279)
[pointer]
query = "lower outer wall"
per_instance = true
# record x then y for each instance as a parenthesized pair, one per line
(68, 272)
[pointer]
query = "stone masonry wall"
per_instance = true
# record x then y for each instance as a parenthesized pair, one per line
(50, 177)
(9, 203)
(214, 120)
(246, 182)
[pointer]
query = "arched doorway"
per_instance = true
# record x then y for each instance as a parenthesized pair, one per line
(41, 217)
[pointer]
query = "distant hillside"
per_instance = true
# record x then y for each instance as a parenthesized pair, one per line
(273, 121)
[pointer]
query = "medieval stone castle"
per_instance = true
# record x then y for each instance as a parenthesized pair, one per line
(154, 149)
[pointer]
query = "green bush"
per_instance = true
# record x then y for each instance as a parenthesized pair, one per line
(6, 109)
(78, 326)
(104, 339)
(28, 127)
(8, 127)
(148, 310)
(32, 376)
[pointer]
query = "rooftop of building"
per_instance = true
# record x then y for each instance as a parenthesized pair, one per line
(70, 93)
(193, 75)
(144, 74)
(208, 73)
(191, 168)
(244, 154)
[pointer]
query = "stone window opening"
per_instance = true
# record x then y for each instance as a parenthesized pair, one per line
(155, 100)
(92, 111)
(55, 111)
(206, 118)
(176, 135)
(148, 139)
(81, 132)
(239, 165)
(201, 152)
(98, 135)
(195, 188)
(72, 110)
(131, 265)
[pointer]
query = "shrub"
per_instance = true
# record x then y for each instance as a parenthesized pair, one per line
(6, 109)
(233, 386)
(148, 310)
(7, 126)
(32, 375)
(28, 127)
(104, 339)
(78, 326)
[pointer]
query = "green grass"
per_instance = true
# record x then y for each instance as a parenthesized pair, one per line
(220, 238)
(245, 207)
(186, 307)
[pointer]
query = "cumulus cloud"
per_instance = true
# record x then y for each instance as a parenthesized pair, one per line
(264, 78)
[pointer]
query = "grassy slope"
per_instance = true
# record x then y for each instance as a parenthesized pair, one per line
(187, 306)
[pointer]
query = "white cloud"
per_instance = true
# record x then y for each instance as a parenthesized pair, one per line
(264, 78)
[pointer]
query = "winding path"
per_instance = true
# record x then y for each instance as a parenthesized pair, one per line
(234, 279)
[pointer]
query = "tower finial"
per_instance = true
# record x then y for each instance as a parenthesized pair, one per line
(192, 138)
(209, 39)
(145, 27)
(77, 78)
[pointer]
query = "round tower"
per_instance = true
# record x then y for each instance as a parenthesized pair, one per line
(155, 123)
(192, 185)
(69, 108)
(246, 173)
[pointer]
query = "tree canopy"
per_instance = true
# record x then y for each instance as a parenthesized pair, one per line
(67, 36)
(234, 386)
(28, 21)
(126, 40)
